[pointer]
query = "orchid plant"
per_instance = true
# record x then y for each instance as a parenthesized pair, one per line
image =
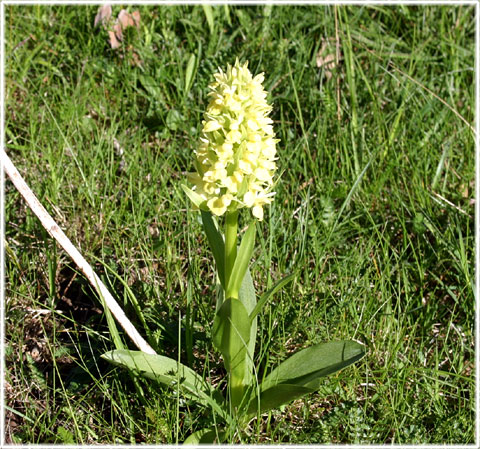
(235, 167)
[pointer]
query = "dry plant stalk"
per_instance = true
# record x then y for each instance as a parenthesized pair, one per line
(54, 230)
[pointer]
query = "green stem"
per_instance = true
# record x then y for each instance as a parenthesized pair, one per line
(231, 225)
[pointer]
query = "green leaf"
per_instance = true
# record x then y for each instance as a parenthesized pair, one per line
(267, 10)
(220, 296)
(217, 245)
(174, 119)
(209, 15)
(171, 373)
(134, 302)
(247, 296)
(151, 85)
(308, 365)
(158, 367)
(195, 198)
(231, 334)
(302, 372)
(189, 73)
(226, 10)
(203, 436)
(244, 255)
(264, 298)
(65, 436)
(277, 396)
(112, 327)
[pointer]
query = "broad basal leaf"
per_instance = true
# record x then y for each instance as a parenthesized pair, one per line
(203, 436)
(308, 365)
(169, 372)
(277, 396)
(302, 372)
(157, 367)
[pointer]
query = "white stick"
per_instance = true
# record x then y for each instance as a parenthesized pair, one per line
(54, 230)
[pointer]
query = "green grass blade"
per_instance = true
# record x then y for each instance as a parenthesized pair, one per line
(209, 15)
(189, 74)
(131, 295)
(264, 298)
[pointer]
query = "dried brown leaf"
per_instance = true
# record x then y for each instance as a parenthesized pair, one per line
(128, 20)
(124, 20)
(326, 58)
(135, 60)
(103, 15)
(136, 18)
(114, 43)
(117, 29)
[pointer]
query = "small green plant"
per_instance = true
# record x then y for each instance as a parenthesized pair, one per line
(235, 165)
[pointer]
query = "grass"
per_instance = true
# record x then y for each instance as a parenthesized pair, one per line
(374, 207)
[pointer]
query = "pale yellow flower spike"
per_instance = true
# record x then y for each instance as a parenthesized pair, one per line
(236, 154)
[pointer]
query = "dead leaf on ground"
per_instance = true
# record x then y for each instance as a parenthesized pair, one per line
(103, 15)
(115, 29)
(326, 56)
(124, 20)
(129, 20)
(112, 38)
(135, 59)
